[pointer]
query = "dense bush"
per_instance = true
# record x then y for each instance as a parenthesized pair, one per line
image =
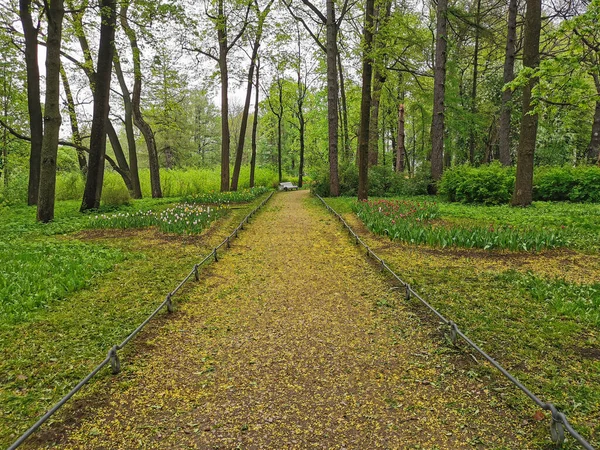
(114, 193)
(383, 182)
(576, 184)
(491, 184)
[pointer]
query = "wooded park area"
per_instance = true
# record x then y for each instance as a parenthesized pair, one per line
(322, 90)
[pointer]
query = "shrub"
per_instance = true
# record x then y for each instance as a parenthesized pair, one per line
(587, 187)
(218, 198)
(383, 182)
(553, 183)
(114, 193)
(69, 185)
(16, 191)
(491, 185)
(567, 183)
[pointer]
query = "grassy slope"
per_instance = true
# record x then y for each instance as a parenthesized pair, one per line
(538, 314)
(50, 349)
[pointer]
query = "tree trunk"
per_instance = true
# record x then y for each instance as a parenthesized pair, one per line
(523, 193)
(344, 112)
(244, 124)
(593, 150)
(400, 152)
(122, 167)
(509, 75)
(52, 117)
(136, 189)
(439, 88)
(74, 123)
(138, 118)
(365, 105)
(332, 98)
(33, 99)
(374, 119)
(254, 126)
(472, 137)
(93, 185)
(279, 130)
(5, 131)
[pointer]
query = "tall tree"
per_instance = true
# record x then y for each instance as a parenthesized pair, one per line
(76, 135)
(221, 22)
(30, 32)
(523, 192)
(255, 124)
(277, 108)
(365, 105)
(136, 99)
(93, 185)
(136, 191)
(401, 149)
(379, 78)
(509, 75)
(52, 118)
(330, 48)
(439, 90)
(261, 16)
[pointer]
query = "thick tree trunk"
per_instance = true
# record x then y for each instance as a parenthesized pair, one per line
(33, 99)
(439, 88)
(472, 137)
(365, 105)
(593, 150)
(344, 112)
(74, 123)
(93, 185)
(136, 189)
(52, 117)
(401, 151)
(254, 126)
(509, 75)
(138, 118)
(332, 98)
(523, 193)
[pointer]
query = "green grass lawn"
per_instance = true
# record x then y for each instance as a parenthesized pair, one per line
(538, 313)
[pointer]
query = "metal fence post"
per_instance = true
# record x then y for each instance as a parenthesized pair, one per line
(115, 362)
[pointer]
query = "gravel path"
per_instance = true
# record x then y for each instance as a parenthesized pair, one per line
(292, 340)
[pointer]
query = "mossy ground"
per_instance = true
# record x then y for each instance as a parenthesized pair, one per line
(293, 340)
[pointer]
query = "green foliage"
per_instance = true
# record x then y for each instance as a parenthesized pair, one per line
(70, 185)
(412, 222)
(181, 219)
(220, 198)
(490, 185)
(576, 184)
(35, 273)
(114, 193)
(16, 192)
(579, 301)
(383, 182)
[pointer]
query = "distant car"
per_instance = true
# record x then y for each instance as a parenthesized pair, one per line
(287, 186)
